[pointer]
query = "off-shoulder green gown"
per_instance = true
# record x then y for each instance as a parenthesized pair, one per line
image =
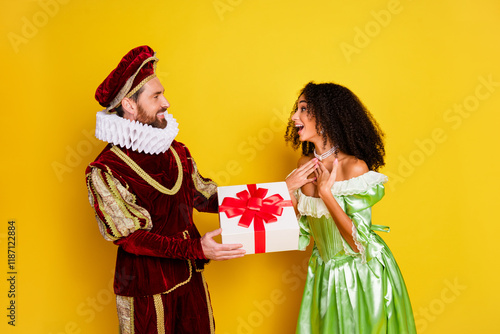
(351, 292)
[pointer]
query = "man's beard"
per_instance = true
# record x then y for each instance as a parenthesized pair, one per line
(154, 121)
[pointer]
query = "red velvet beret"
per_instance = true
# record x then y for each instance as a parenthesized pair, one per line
(134, 70)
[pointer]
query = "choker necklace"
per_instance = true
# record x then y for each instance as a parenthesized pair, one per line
(325, 155)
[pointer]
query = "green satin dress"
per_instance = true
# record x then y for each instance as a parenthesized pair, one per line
(351, 292)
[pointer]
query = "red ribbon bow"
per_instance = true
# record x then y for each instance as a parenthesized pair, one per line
(252, 205)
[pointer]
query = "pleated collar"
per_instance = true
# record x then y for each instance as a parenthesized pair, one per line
(134, 135)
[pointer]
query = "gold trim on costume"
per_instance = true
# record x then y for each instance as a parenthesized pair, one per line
(132, 318)
(127, 200)
(182, 283)
(206, 188)
(145, 176)
(110, 172)
(160, 321)
(209, 305)
(140, 84)
(91, 191)
(120, 201)
(117, 205)
(117, 100)
(186, 236)
(125, 308)
(115, 234)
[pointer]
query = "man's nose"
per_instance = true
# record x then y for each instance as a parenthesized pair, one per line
(164, 103)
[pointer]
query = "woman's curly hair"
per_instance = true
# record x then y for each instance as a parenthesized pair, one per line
(344, 120)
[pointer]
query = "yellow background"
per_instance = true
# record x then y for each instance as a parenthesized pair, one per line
(231, 70)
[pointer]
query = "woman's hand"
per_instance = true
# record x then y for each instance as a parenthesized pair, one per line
(299, 176)
(325, 179)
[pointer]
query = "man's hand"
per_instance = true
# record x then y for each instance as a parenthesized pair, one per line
(219, 252)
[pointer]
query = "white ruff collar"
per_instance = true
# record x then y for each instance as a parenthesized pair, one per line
(140, 137)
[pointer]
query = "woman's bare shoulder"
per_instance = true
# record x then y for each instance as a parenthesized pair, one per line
(354, 167)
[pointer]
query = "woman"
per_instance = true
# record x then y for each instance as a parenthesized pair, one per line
(353, 283)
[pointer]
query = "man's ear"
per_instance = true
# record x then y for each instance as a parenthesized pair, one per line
(129, 108)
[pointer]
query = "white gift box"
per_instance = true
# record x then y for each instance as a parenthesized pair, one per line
(259, 216)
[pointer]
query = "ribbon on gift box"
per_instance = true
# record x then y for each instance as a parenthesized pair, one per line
(251, 204)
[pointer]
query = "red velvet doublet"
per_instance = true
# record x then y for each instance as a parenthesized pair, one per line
(163, 258)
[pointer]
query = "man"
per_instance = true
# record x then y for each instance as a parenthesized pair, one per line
(143, 187)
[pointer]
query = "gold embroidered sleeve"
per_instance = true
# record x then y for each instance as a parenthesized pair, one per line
(115, 207)
(206, 187)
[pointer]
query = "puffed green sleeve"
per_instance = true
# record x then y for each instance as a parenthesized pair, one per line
(358, 208)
